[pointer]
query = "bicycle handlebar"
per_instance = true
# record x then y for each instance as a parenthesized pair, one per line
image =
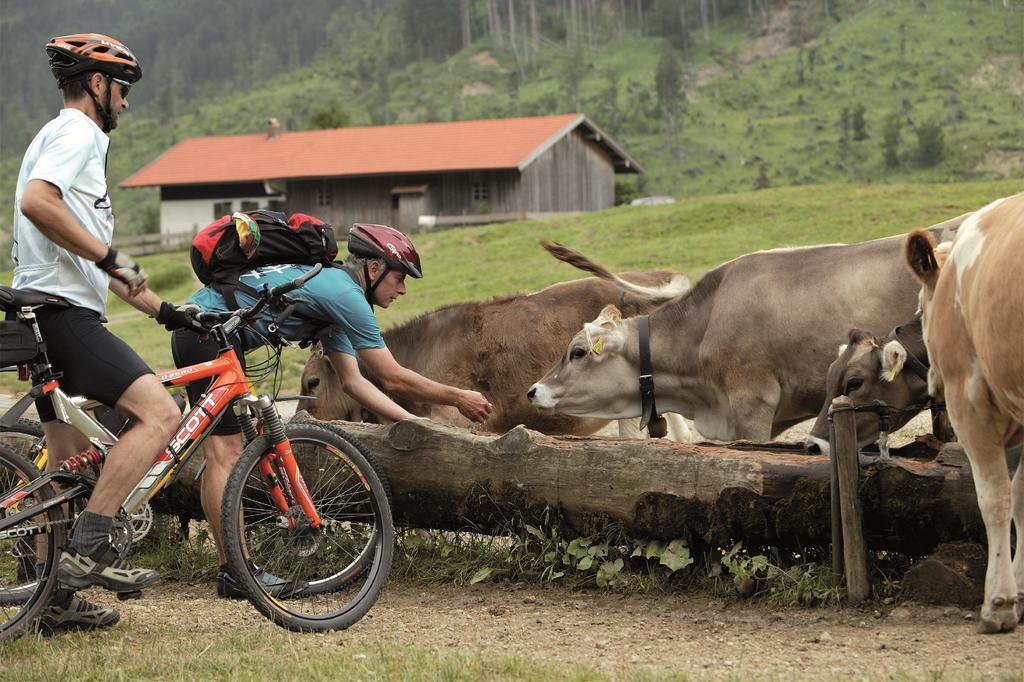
(231, 320)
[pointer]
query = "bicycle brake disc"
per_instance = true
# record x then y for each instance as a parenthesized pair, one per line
(304, 540)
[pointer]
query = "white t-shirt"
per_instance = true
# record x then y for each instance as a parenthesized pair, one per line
(70, 152)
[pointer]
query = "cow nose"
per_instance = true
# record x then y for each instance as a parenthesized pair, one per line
(532, 392)
(811, 447)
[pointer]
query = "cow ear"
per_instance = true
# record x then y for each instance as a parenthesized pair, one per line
(893, 357)
(919, 252)
(602, 340)
(609, 316)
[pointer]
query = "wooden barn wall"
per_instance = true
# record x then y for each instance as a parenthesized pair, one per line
(573, 175)
(452, 193)
(353, 200)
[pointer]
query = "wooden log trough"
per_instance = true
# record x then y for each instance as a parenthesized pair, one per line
(444, 477)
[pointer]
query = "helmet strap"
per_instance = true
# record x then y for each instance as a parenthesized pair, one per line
(104, 112)
(371, 287)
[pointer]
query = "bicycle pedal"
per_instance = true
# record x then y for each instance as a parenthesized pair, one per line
(125, 596)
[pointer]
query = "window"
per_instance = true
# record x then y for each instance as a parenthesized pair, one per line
(250, 205)
(275, 205)
(324, 194)
(479, 191)
(222, 208)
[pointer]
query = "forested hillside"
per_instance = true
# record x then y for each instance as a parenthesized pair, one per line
(709, 95)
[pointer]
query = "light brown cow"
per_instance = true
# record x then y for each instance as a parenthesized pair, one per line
(497, 347)
(973, 313)
(744, 353)
(891, 368)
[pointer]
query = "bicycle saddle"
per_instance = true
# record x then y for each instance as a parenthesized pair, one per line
(11, 300)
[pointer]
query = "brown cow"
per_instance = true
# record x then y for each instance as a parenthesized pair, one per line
(497, 347)
(893, 369)
(973, 314)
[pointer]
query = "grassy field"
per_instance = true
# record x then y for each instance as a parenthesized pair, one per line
(692, 236)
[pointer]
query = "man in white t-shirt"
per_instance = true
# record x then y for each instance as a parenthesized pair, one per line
(63, 225)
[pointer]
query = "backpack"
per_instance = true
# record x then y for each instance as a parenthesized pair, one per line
(227, 247)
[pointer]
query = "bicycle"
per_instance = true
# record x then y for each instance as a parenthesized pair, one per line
(304, 503)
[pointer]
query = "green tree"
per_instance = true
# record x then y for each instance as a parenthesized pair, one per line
(857, 123)
(891, 140)
(329, 115)
(667, 81)
(931, 144)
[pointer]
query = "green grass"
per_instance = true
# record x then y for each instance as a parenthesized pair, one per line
(692, 236)
(265, 653)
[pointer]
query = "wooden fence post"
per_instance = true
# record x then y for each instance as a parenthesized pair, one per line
(846, 458)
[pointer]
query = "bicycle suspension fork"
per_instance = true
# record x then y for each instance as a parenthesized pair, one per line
(279, 468)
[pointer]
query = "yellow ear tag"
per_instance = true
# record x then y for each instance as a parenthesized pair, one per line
(892, 374)
(598, 345)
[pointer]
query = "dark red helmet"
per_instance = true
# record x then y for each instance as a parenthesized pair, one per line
(73, 56)
(381, 241)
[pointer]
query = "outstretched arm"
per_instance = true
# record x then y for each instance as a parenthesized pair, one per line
(408, 384)
(363, 391)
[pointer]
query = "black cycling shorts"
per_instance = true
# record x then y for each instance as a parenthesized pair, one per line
(94, 362)
(188, 349)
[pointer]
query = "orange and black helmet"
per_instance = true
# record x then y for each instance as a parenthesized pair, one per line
(74, 56)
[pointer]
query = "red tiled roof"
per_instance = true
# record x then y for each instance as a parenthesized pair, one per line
(377, 150)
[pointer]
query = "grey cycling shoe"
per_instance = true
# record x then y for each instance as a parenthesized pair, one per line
(117, 575)
(74, 613)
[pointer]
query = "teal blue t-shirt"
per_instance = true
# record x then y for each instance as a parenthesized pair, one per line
(332, 298)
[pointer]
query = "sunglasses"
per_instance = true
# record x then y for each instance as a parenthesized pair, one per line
(125, 86)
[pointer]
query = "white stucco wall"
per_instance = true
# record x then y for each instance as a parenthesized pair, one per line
(188, 215)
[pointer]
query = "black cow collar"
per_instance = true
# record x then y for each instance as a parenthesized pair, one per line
(648, 409)
(915, 364)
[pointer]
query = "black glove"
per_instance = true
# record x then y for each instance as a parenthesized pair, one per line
(121, 267)
(179, 317)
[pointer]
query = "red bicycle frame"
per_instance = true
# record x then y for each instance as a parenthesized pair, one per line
(229, 383)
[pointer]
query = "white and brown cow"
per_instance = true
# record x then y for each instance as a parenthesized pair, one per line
(498, 347)
(973, 314)
(745, 352)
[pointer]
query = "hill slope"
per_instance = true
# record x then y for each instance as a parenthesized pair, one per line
(760, 101)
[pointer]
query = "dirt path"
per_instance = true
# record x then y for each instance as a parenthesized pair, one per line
(622, 635)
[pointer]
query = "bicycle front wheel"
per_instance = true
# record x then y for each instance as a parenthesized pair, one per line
(307, 578)
(29, 547)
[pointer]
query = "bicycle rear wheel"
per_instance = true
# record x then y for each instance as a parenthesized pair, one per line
(23, 597)
(26, 438)
(303, 578)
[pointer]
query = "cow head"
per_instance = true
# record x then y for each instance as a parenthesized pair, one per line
(327, 400)
(596, 377)
(870, 368)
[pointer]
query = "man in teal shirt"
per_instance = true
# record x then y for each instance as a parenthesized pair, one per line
(336, 308)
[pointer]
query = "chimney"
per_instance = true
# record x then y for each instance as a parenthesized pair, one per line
(273, 129)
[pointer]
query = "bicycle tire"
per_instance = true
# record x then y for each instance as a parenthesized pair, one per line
(345, 578)
(21, 603)
(339, 569)
(349, 438)
(25, 437)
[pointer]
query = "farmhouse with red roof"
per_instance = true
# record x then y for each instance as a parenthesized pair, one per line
(403, 175)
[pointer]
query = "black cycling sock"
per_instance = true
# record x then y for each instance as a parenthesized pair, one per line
(92, 536)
